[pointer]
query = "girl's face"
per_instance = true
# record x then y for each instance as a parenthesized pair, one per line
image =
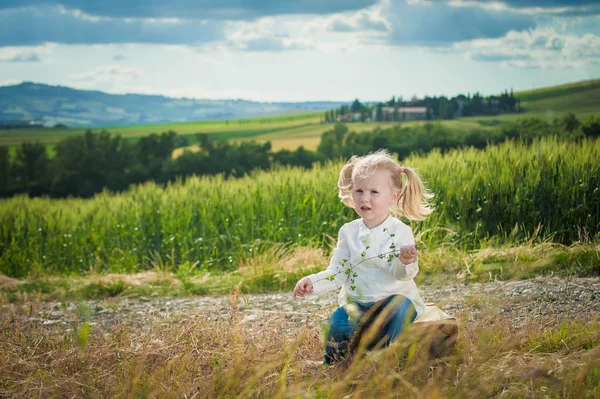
(372, 197)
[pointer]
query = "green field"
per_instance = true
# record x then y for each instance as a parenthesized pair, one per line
(544, 93)
(221, 129)
(291, 131)
(546, 191)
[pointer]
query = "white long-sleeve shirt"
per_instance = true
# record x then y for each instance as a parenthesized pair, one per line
(375, 278)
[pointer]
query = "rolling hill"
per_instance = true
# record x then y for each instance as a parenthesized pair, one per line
(85, 108)
(293, 130)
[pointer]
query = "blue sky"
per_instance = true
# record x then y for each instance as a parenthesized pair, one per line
(300, 50)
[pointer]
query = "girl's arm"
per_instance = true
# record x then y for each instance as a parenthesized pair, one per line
(324, 282)
(402, 271)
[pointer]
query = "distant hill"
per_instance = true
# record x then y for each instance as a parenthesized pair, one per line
(83, 108)
(579, 97)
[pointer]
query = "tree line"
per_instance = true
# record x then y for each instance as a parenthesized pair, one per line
(436, 107)
(85, 165)
(341, 142)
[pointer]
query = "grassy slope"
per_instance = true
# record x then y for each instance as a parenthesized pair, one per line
(291, 131)
(558, 91)
(224, 129)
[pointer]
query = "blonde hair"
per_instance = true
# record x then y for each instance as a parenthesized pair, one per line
(413, 199)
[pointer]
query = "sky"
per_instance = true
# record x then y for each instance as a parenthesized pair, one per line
(299, 50)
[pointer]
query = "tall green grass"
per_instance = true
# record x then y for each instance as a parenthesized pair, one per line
(549, 189)
(545, 191)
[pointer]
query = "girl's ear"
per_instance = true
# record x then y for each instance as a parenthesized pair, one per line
(395, 195)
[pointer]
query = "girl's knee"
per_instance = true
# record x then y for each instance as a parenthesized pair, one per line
(404, 314)
(403, 308)
(340, 325)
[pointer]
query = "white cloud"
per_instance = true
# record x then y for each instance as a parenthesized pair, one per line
(262, 27)
(21, 57)
(371, 19)
(273, 44)
(197, 92)
(107, 76)
(10, 82)
(264, 35)
(25, 54)
(540, 48)
(325, 34)
(440, 23)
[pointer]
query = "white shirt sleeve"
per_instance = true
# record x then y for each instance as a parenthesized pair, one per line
(324, 282)
(399, 270)
(403, 272)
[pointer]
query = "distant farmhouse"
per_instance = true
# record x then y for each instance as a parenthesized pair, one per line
(351, 117)
(402, 113)
(428, 108)
(387, 114)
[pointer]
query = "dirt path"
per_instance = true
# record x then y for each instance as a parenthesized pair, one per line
(547, 300)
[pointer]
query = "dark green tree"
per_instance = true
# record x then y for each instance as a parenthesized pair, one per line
(85, 165)
(6, 177)
(31, 169)
(356, 106)
(591, 126)
(332, 140)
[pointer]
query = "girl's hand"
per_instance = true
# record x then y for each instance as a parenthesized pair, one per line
(408, 254)
(303, 287)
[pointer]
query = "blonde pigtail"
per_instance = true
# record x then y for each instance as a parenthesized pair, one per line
(414, 197)
(345, 182)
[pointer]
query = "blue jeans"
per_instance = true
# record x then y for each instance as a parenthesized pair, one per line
(342, 325)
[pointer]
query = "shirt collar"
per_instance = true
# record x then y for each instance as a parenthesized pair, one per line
(363, 230)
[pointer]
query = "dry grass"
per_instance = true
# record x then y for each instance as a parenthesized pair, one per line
(7, 282)
(449, 263)
(137, 279)
(277, 144)
(178, 151)
(197, 358)
(292, 144)
(282, 260)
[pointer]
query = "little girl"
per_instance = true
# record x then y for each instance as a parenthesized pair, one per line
(375, 257)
